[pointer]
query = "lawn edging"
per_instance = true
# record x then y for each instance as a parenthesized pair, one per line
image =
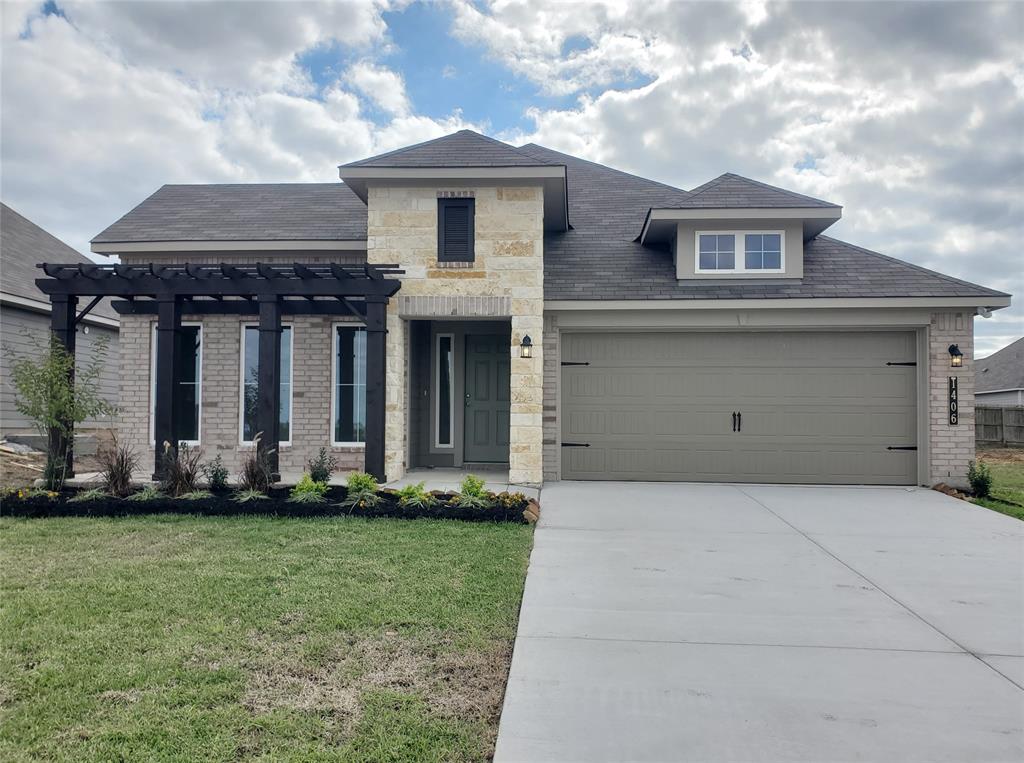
(505, 507)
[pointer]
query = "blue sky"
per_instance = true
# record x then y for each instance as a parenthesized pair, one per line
(909, 114)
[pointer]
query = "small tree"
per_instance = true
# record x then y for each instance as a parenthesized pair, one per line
(55, 395)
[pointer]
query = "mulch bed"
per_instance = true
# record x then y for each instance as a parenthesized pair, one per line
(276, 504)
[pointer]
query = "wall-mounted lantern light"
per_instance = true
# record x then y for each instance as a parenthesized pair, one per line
(526, 347)
(956, 358)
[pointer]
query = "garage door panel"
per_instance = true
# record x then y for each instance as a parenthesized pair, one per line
(817, 407)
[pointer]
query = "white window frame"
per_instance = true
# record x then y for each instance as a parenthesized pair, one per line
(740, 251)
(334, 380)
(152, 384)
(241, 383)
(437, 394)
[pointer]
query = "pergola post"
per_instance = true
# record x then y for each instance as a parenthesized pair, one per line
(376, 385)
(168, 350)
(61, 440)
(268, 383)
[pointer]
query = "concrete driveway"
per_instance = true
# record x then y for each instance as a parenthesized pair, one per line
(767, 623)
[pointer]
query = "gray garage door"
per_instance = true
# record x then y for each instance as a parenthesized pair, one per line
(812, 407)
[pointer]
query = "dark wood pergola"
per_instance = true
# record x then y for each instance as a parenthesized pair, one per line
(266, 291)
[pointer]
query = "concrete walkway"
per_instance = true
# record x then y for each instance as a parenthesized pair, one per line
(767, 623)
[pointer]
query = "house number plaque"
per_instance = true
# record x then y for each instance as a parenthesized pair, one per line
(954, 401)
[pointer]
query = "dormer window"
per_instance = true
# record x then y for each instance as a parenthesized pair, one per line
(740, 251)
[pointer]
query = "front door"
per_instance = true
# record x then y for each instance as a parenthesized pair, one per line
(487, 398)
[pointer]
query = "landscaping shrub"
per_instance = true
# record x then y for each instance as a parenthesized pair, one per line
(147, 493)
(322, 466)
(308, 490)
(980, 478)
(472, 494)
(415, 497)
(248, 495)
(361, 491)
(181, 469)
(256, 472)
(117, 464)
(149, 501)
(196, 495)
(216, 475)
(93, 494)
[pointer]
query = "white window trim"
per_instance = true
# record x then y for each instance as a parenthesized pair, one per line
(241, 383)
(334, 380)
(437, 394)
(740, 251)
(152, 384)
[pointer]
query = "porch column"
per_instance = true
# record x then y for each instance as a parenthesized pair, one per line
(62, 328)
(268, 384)
(168, 350)
(376, 384)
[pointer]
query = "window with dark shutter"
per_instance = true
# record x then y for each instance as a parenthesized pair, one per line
(455, 230)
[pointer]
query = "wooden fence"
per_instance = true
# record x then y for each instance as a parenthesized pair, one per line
(999, 426)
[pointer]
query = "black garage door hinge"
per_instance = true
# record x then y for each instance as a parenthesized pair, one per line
(575, 363)
(575, 444)
(902, 447)
(902, 363)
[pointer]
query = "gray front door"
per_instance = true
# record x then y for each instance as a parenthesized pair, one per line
(487, 398)
(811, 407)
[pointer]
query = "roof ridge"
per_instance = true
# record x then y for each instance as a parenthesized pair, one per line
(780, 189)
(415, 146)
(606, 167)
(904, 263)
(249, 185)
(715, 182)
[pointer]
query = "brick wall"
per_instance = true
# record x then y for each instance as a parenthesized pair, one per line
(951, 447)
(552, 401)
(221, 393)
(509, 250)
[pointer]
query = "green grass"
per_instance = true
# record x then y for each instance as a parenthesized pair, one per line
(1007, 488)
(186, 638)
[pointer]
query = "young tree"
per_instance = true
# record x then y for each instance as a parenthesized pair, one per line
(57, 396)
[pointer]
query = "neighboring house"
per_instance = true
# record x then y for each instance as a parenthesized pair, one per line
(563, 320)
(999, 378)
(24, 316)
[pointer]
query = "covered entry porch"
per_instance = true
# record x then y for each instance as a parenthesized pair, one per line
(459, 395)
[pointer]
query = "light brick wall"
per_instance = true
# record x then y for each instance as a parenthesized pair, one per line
(221, 390)
(552, 400)
(509, 251)
(951, 447)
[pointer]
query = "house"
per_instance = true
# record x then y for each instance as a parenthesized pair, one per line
(466, 303)
(25, 322)
(999, 378)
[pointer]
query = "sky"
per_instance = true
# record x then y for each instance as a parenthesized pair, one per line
(910, 115)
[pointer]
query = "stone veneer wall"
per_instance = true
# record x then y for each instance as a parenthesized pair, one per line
(508, 262)
(950, 447)
(221, 381)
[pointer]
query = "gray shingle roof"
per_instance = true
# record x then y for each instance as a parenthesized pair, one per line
(244, 212)
(599, 258)
(731, 191)
(23, 245)
(464, 148)
(1001, 370)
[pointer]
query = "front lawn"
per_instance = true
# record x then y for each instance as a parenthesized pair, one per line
(187, 638)
(1007, 467)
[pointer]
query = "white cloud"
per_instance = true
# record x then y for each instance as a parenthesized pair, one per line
(909, 114)
(913, 114)
(382, 86)
(115, 125)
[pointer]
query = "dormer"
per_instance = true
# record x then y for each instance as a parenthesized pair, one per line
(737, 228)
